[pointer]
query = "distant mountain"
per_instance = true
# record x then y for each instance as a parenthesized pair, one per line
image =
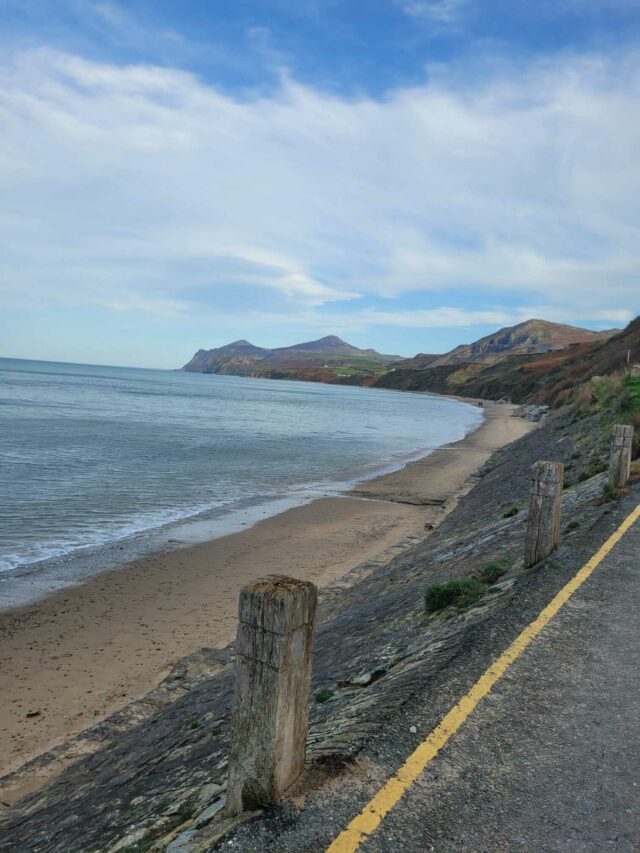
(528, 337)
(488, 366)
(209, 360)
(328, 359)
(329, 344)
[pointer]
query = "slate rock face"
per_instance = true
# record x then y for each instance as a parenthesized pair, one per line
(374, 646)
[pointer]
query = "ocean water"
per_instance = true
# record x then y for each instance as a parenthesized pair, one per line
(93, 455)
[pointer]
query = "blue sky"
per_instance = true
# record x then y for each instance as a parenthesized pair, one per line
(408, 174)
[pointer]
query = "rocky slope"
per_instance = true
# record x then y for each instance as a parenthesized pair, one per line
(549, 377)
(532, 336)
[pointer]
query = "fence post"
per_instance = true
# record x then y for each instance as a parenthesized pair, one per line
(620, 458)
(543, 523)
(271, 706)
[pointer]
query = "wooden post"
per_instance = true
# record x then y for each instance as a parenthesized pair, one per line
(620, 458)
(543, 524)
(271, 710)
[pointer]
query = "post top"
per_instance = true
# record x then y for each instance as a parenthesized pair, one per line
(548, 471)
(277, 603)
(622, 430)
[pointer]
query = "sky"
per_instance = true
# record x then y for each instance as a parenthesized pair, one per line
(407, 174)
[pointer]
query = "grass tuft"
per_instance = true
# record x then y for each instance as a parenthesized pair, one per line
(462, 593)
(513, 510)
(324, 695)
(491, 573)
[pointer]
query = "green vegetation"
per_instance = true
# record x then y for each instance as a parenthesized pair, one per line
(324, 695)
(195, 724)
(462, 593)
(630, 396)
(602, 392)
(185, 812)
(592, 470)
(573, 525)
(609, 493)
(493, 571)
(513, 510)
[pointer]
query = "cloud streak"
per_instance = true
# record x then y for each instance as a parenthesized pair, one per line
(142, 189)
(443, 12)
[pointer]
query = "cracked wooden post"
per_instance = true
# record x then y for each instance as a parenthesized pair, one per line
(271, 706)
(543, 523)
(620, 458)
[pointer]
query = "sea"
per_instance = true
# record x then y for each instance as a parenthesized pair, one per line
(93, 457)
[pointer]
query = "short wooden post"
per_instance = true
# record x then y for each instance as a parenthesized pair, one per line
(543, 524)
(620, 458)
(271, 710)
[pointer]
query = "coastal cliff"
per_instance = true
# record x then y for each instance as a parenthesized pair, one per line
(552, 377)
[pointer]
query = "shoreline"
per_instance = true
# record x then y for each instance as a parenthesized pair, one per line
(81, 653)
(26, 584)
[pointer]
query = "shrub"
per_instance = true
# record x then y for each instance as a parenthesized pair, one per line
(609, 493)
(594, 469)
(185, 812)
(573, 525)
(461, 592)
(324, 695)
(513, 510)
(493, 571)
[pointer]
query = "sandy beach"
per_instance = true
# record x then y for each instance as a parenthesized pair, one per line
(85, 651)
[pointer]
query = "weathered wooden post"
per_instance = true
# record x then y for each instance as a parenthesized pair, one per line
(271, 710)
(543, 524)
(620, 458)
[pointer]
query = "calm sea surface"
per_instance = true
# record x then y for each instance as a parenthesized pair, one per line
(89, 455)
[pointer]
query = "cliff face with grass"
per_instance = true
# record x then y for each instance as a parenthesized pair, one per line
(552, 378)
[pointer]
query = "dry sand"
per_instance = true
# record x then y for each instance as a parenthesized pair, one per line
(85, 651)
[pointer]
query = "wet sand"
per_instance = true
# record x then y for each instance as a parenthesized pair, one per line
(83, 652)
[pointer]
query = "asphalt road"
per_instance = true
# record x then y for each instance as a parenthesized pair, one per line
(548, 761)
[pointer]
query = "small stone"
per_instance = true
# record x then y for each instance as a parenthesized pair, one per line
(362, 680)
(413, 730)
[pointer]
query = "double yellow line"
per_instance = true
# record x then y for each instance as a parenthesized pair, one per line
(388, 796)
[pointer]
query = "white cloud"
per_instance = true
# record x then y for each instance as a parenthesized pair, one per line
(444, 12)
(450, 318)
(141, 188)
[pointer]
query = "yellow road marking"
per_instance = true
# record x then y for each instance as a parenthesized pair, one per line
(387, 797)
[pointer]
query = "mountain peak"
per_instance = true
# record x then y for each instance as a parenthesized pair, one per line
(331, 339)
